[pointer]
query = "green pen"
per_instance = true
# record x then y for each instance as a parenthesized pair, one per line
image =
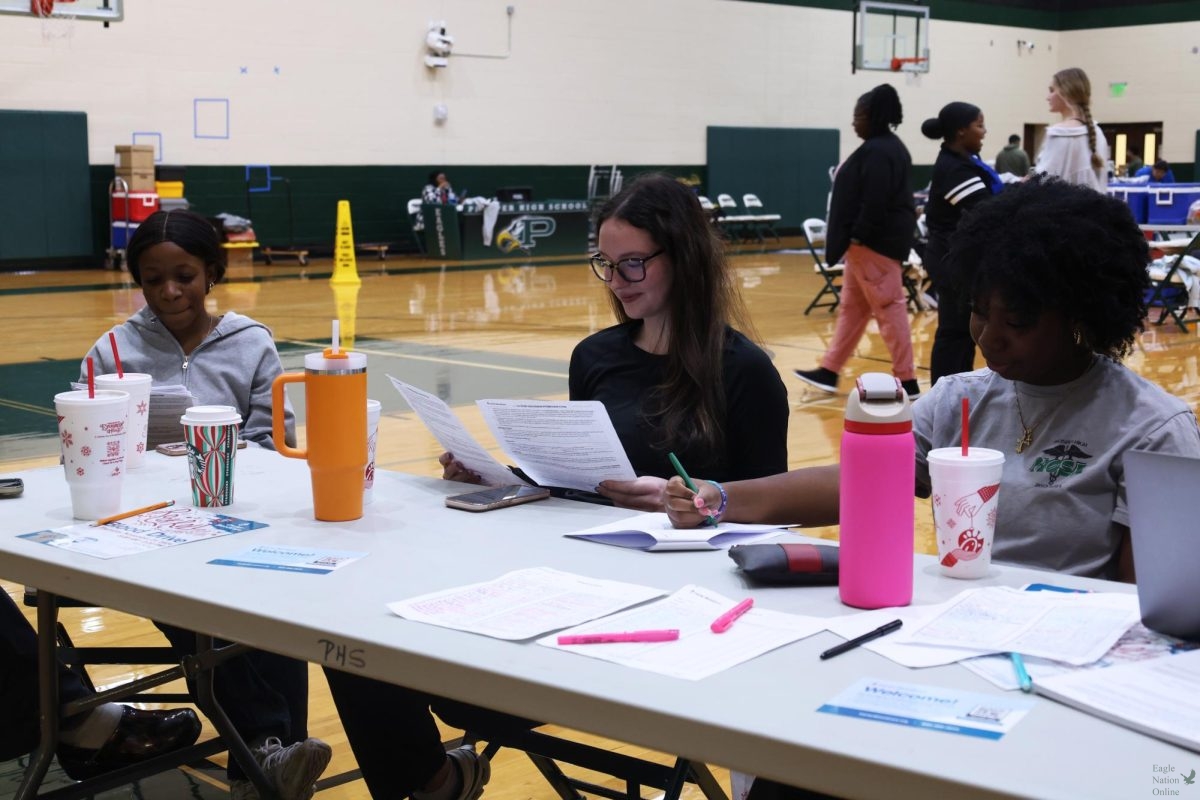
(687, 481)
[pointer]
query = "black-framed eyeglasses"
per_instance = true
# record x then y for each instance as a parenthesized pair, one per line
(631, 270)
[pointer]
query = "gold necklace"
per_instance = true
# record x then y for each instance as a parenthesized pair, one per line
(1027, 431)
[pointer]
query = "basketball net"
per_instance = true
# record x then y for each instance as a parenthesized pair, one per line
(56, 26)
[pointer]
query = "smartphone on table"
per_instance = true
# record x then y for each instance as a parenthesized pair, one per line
(11, 487)
(500, 497)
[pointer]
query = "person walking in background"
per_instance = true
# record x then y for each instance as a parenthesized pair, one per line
(872, 220)
(1075, 149)
(961, 180)
(1133, 162)
(1013, 159)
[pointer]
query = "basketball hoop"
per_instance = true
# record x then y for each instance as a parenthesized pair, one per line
(56, 24)
(913, 64)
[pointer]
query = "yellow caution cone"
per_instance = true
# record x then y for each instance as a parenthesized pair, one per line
(345, 267)
(345, 300)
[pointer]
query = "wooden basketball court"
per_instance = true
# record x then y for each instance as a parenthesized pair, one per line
(466, 331)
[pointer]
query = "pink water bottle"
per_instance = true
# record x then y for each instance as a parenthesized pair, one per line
(877, 478)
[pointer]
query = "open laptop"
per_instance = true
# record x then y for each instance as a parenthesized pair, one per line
(1165, 529)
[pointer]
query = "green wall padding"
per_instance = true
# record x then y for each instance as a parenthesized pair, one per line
(378, 196)
(788, 168)
(44, 200)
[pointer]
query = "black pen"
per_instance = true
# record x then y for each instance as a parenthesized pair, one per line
(882, 630)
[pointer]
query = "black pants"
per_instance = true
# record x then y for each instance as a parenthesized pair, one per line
(394, 735)
(19, 682)
(953, 347)
(263, 694)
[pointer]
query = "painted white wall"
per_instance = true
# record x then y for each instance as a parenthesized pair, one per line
(586, 81)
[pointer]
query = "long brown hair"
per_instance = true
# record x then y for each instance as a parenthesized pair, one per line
(1073, 84)
(689, 404)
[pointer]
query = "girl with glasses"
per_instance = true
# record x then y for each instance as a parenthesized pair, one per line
(675, 376)
(674, 373)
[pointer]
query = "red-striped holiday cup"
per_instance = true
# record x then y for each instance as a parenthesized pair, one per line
(211, 433)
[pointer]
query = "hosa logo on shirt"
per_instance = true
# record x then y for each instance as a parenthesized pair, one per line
(1061, 461)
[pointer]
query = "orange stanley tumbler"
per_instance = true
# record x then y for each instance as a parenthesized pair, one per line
(335, 390)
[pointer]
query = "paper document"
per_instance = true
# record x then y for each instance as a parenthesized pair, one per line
(653, 531)
(1063, 626)
(167, 404)
(523, 604)
(987, 716)
(567, 443)
(915, 656)
(698, 652)
(290, 559)
(451, 435)
(1138, 644)
(165, 527)
(1160, 697)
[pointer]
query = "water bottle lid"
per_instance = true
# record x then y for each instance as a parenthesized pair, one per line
(878, 404)
(344, 361)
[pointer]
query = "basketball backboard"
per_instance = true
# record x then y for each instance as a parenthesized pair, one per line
(891, 36)
(94, 10)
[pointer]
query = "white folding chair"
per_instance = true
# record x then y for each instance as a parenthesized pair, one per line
(760, 221)
(831, 274)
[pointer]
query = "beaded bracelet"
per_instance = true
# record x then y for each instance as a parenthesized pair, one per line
(716, 515)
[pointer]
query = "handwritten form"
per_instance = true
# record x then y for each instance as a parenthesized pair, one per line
(452, 436)
(523, 604)
(698, 652)
(1073, 628)
(567, 443)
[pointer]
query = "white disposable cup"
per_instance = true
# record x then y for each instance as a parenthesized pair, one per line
(211, 434)
(137, 384)
(373, 409)
(91, 433)
(966, 494)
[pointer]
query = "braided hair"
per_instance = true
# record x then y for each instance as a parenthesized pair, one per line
(1073, 84)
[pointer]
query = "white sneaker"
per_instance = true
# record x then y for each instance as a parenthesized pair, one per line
(293, 770)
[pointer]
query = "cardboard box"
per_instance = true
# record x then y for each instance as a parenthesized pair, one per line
(135, 157)
(140, 180)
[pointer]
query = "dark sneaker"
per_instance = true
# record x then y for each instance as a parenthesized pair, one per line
(823, 379)
(911, 388)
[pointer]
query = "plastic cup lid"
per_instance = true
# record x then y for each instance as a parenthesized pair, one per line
(211, 415)
(980, 456)
(80, 396)
(132, 377)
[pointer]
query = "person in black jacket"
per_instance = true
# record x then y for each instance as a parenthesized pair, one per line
(961, 180)
(872, 220)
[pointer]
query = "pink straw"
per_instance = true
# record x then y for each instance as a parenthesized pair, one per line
(91, 379)
(112, 339)
(966, 436)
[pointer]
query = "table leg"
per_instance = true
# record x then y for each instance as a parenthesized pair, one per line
(48, 705)
(199, 669)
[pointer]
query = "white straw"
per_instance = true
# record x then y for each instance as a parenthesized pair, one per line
(337, 339)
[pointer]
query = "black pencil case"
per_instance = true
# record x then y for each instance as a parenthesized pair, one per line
(788, 564)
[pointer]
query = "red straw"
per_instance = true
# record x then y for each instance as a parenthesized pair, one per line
(966, 433)
(112, 339)
(91, 379)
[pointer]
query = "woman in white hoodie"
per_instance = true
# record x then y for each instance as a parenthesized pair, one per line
(1075, 148)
